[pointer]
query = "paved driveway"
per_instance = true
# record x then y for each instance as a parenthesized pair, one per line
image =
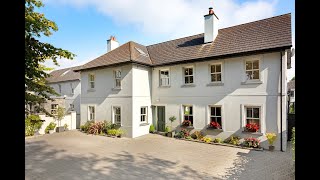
(74, 155)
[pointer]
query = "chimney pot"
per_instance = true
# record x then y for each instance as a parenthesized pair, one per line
(112, 43)
(210, 10)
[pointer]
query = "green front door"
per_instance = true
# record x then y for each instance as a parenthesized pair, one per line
(161, 118)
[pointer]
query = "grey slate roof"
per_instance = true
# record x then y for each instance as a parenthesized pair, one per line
(66, 74)
(270, 33)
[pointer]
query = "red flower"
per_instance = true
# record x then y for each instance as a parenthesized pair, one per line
(215, 125)
(252, 127)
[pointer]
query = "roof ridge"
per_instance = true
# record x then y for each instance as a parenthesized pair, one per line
(255, 21)
(130, 44)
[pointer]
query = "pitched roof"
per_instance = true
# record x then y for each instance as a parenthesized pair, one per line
(66, 74)
(270, 33)
(128, 52)
(291, 84)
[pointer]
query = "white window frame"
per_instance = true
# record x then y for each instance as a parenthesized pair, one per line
(261, 115)
(184, 75)
(94, 113)
(145, 115)
(160, 84)
(222, 115)
(259, 69)
(182, 113)
(117, 78)
(113, 114)
(54, 109)
(210, 73)
(90, 82)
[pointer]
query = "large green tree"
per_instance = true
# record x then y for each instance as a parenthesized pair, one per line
(37, 52)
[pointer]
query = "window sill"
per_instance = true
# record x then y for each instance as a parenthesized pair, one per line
(164, 86)
(91, 90)
(253, 133)
(116, 89)
(187, 127)
(215, 84)
(214, 129)
(188, 85)
(144, 124)
(251, 82)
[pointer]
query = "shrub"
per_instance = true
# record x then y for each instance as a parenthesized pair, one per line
(271, 138)
(65, 126)
(87, 125)
(293, 139)
(115, 132)
(96, 128)
(251, 142)
(186, 123)
(32, 123)
(197, 135)
(188, 137)
(185, 132)
(179, 135)
(51, 126)
(217, 140)
(235, 140)
(151, 128)
(206, 139)
(106, 126)
(82, 127)
(167, 129)
(252, 127)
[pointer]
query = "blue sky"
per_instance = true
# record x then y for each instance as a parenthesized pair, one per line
(85, 25)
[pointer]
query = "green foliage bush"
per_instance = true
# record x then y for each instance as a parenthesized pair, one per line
(106, 126)
(87, 125)
(115, 132)
(206, 139)
(197, 135)
(95, 128)
(32, 123)
(217, 140)
(51, 126)
(151, 128)
(167, 129)
(235, 140)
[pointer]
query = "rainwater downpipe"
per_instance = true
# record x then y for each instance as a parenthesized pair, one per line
(281, 101)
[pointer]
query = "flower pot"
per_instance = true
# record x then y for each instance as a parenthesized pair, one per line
(51, 131)
(271, 148)
(60, 129)
(171, 134)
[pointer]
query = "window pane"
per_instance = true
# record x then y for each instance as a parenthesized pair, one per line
(218, 111)
(186, 117)
(248, 65)
(219, 120)
(219, 77)
(186, 110)
(249, 112)
(213, 69)
(213, 119)
(166, 73)
(255, 74)
(92, 84)
(256, 64)
(186, 72)
(218, 68)
(249, 75)
(191, 79)
(212, 111)
(213, 77)
(256, 112)
(191, 119)
(186, 80)
(190, 71)
(191, 109)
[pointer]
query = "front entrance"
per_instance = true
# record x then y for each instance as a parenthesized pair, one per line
(161, 118)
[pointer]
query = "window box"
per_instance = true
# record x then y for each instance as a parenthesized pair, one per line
(213, 128)
(188, 85)
(186, 127)
(215, 84)
(252, 133)
(251, 82)
(144, 124)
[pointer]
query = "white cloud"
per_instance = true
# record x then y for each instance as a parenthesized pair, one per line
(175, 18)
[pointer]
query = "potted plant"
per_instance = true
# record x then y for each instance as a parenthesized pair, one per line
(252, 127)
(50, 128)
(167, 130)
(65, 126)
(186, 123)
(172, 132)
(214, 125)
(59, 116)
(151, 129)
(271, 139)
(251, 142)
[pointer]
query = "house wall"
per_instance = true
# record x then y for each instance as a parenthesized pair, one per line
(69, 119)
(69, 99)
(141, 96)
(233, 95)
(103, 97)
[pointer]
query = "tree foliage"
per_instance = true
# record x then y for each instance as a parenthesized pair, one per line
(37, 52)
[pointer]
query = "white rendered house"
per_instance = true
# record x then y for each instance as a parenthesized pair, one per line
(232, 76)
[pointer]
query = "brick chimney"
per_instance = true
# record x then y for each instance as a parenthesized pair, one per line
(112, 43)
(210, 26)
